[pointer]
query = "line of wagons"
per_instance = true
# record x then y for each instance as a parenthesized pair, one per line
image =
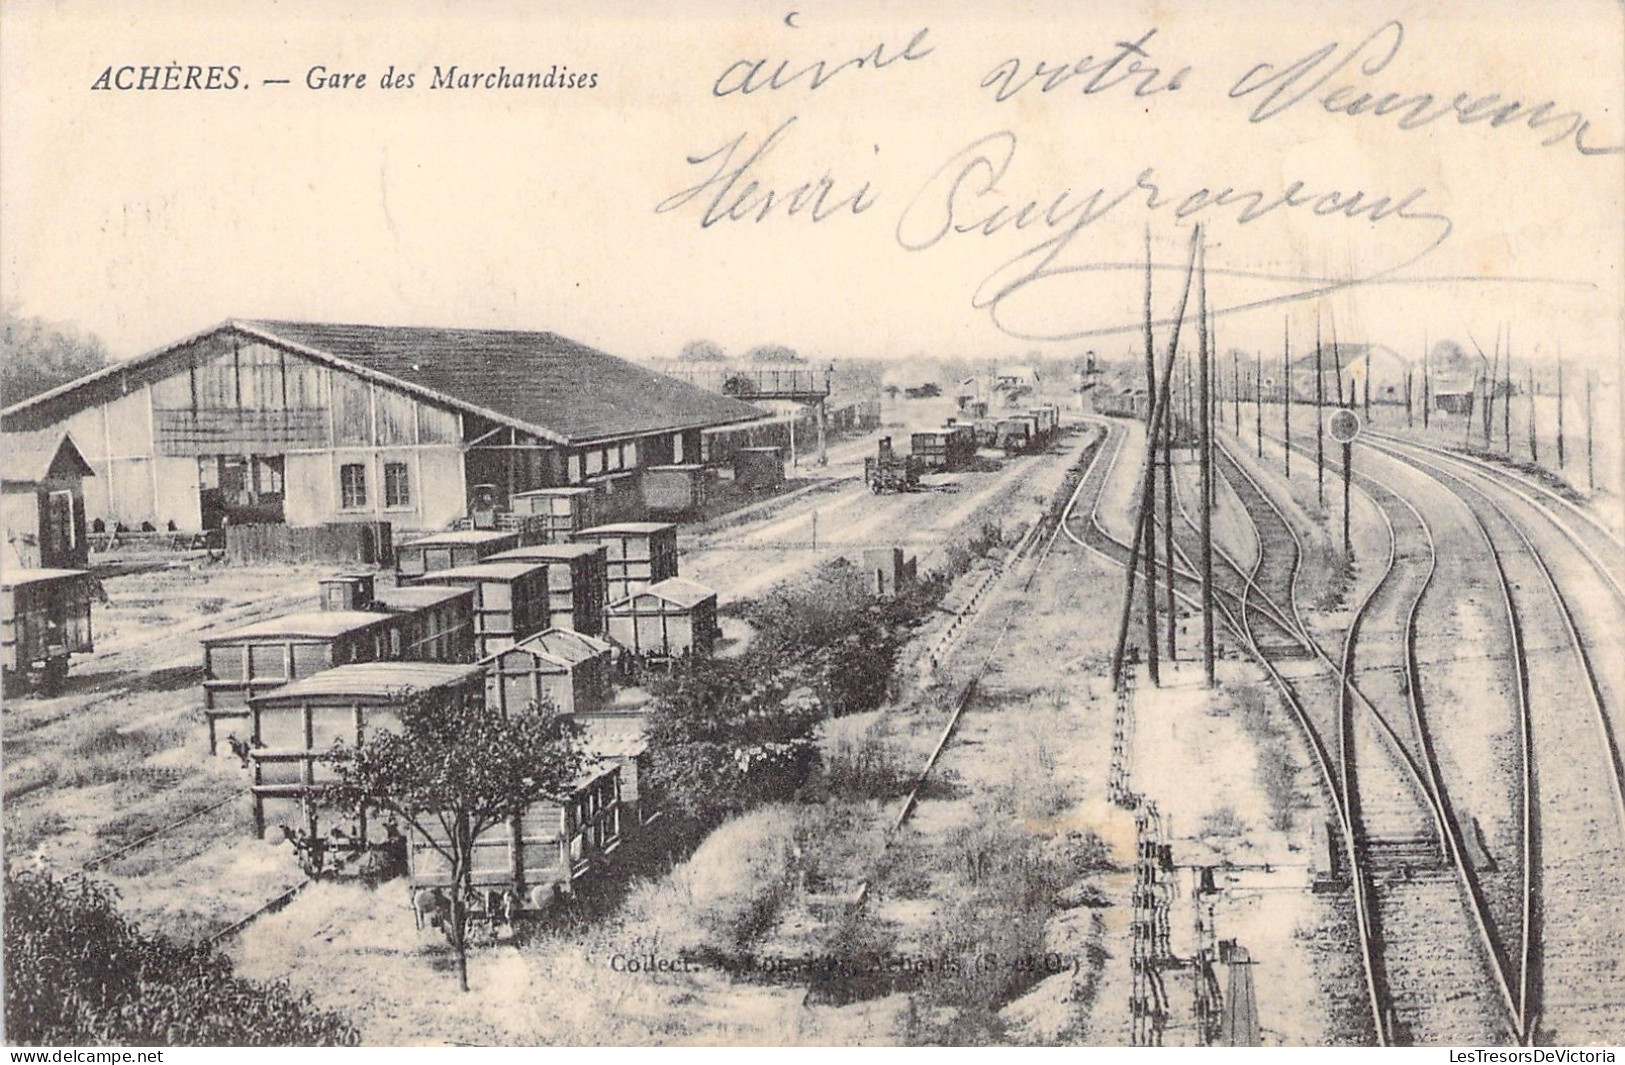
(955, 444)
(475, 614)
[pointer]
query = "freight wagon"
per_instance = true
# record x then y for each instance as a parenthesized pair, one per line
(577, 582)
(639, 553)
(676, 490)
(887, 471)
(575, 673)
(669, 620)
(295, 725)
(534, 858)
(354, 624)
(446, 550)
(46, 617)
(949, 448)
(553, 514)
(510, 601)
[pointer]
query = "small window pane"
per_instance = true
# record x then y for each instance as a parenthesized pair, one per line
(352, 485)
(397, 485)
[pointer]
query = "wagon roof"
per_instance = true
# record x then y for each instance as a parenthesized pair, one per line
(628, 528)
(376, 680)
(486, 571)
(321, 623)
(418, 596)
(562, 491)
(27, 458)
(547, 553)
(17, 577)
(679, 591)
(566, 647)
(461, 536)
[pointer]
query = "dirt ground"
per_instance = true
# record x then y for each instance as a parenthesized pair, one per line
(120, 754)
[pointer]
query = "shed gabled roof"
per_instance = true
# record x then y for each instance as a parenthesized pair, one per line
(29, 458)
(543, 380)
(541, 383)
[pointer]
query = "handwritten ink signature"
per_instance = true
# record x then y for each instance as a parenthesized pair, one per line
(966, 196)
(1285, 87)
(737, 196)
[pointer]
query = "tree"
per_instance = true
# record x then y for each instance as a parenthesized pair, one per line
(775, 353)
(702, 351)
(79, 973)
(456, 769)
(36, 355)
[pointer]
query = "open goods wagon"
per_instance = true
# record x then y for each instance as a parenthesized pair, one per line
(887, 471)
(529, 861)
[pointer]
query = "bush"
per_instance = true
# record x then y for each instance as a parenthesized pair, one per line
(79, 973)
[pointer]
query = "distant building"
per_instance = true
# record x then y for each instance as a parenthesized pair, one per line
(309, 422)
(1386, 368)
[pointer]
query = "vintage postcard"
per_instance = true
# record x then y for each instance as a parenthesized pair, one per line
(828, 524)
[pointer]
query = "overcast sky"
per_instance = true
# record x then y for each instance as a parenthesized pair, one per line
(147, 215)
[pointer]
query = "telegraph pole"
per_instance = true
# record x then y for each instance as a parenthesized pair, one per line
(1591, 468)
(1367, 384)
(1205, 387)
(1489, 398)
(1153, 425)
(1320, 416)
(1286, 391)
(1159, 407)
(1410, 423)
(1427, 383)
(1561, 456)
(1235, 378)
(1506, 400)
(1258, 400)
(1534, 433)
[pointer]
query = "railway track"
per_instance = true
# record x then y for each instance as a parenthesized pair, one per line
(1421, 922)
(1573, 990)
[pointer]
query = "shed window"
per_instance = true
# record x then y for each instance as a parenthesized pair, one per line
(352, 486)
(397, 485)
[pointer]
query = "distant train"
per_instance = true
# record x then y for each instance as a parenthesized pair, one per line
(954, 447)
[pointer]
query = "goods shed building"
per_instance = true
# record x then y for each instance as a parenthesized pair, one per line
(313, 422)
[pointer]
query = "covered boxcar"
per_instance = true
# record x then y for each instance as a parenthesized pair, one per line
(448, 550)
(758, 468)
(555, 513)
(577, 582)
(293, 726)
(572, 671)
(535, 857)
(681, 489)
(638, 553)
(510, 601)
(265, 655)
(670, 619)
(620, 496)
(439, 621)
(46, 615)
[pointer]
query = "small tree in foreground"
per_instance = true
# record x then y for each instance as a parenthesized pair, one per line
(456, 769)
(78, 972)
